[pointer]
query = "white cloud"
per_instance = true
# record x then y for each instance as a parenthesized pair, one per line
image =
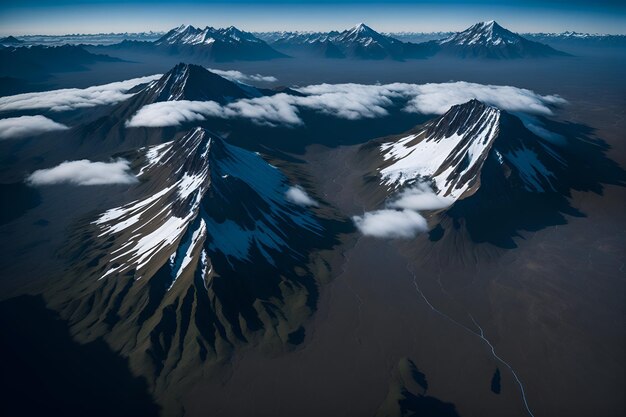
(349, 101)
(84, 172)
(391, 223)
(24, 126)
(173, 113)
(276, 109)
(300, 197)
(438, 98)
(271, 110)
(400, 219)
(241, 77)
(74, 98)
(420, 197)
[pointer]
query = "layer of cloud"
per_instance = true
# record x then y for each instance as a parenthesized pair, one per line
(173, 113)
(24, 126)
(74, 98)
(391, 223)
(300, 197)
(438, 98)
(420, 197)
(84, 172)
(272, 110)
(244, 78)
(349, 101)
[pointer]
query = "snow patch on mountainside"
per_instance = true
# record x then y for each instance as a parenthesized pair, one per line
(432, 156)
(175, 221)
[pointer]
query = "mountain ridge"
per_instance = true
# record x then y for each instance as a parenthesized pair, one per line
(208, 256)
(481, 40)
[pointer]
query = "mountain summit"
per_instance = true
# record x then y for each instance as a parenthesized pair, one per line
(209, 253)
(193, 82)
(495, 175)
(484, 33)
(490, 40)
(448, 152)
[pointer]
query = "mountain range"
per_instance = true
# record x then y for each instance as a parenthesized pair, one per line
(360, 42)
(38, 61)
(208, 44)
(482, 40)
(217, 247)
(10, 40)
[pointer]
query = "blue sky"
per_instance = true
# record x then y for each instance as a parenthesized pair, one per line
(83, 16)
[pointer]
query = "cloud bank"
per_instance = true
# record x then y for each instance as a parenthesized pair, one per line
(84, 172)
(234, 75)
(174, 113)
(298, 196)
(262, 110)
(391, 223)
(438, 98)
(24, 126)
(348, 101)
(74, 98)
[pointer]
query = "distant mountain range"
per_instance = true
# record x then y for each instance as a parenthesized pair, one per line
(273, 36)
(208, 44)
(482, 40)
(486, 40)
(565, 38)
(10, 40)
(360, 42)
(577, 38)
(39, 61)
(87, 39)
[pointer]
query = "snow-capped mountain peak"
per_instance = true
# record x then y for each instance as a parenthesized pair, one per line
(187, 35)
(194, 82)
(238, 35)
(361, 33)
(209, 191)
(471, 144)
(488, 33)
(490, 40)
(190, 35)
(448, 152)
(223, 44)
(361, 28)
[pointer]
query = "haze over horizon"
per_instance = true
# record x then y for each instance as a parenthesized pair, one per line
(81, 16)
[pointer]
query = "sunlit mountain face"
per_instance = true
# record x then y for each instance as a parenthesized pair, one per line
(227, 213)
